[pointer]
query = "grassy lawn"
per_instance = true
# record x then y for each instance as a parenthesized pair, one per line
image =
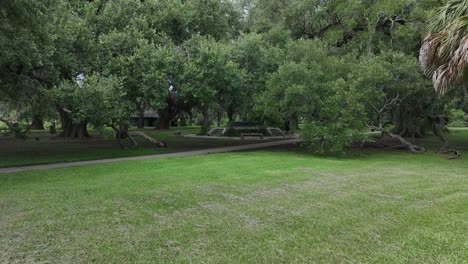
(250, 207)
(102, 145)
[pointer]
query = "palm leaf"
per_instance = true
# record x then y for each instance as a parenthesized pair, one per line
(444, 53)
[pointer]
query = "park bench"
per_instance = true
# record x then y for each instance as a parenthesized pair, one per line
(252, 135)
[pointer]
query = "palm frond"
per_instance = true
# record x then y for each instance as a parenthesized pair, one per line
(444, 53)
(429, 54)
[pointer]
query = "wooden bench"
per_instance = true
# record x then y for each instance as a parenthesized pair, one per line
(251, 135)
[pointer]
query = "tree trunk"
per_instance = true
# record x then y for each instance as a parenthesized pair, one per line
(157, 143)
(293, 123)
(141, 119)
(71, 129)
(167, 114)
(408, 123)
(439, 130)
(230, 114)
(465, 93)
(412, 147)
(164, 120)
(190, 114)
(37, 123)
(122, 133)
(219, 117)
(206, 119)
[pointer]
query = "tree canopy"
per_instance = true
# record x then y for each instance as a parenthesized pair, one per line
(339, 67)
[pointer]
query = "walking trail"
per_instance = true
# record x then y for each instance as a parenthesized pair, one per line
(155, 156)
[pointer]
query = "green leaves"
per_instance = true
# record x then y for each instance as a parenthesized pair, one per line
(99, 100)
(310, 86)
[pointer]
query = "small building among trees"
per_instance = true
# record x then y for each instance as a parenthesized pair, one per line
(147, 118)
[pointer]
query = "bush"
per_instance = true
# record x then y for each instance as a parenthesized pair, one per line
(457, 118)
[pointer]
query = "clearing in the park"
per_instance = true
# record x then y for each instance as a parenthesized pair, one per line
(233, 131)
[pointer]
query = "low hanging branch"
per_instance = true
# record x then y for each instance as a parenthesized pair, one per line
(412, 147)
(123, 133)
(18, 130)
(149, 139)
(388, 105)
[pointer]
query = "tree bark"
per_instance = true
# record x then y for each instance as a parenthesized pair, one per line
(293, 123)
(141, 119)
(122, 133)
(206, 118)
(37, 123)
(149, 139)
(167, 114)
(412, 147)
(164, 120)
(190, 114)
(439, 130)
(219, 117)
(230, 114)
(408, 123)
(71, 129)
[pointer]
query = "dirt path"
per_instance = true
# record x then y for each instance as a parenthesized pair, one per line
(156, 156)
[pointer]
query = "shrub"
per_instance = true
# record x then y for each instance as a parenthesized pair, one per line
(457, 118)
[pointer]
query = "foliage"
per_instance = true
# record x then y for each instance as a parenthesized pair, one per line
(278, 62)
(212, 78)
(443, 54)
(457, 118)
(394, 91)
(360, 26)
(310, 86)
(99, 101)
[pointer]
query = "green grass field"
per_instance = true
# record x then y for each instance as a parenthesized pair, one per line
(276, 206)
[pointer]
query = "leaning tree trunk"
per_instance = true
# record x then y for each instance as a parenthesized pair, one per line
(37, 123)
(122, 133)
(72, 129)
(141, 119)
(407, 144)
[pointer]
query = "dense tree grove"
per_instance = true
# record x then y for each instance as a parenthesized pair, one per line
(339, 67)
